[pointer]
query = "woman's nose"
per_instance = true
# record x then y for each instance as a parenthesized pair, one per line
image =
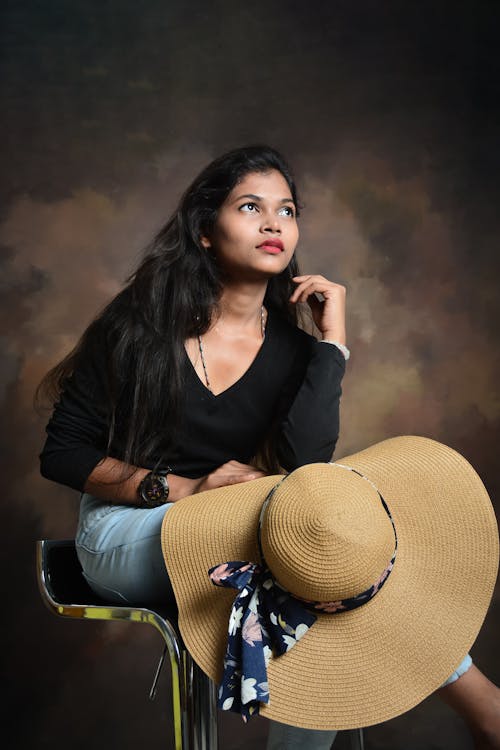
(271, 223)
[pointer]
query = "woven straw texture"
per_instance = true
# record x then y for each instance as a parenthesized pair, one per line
(368, 665)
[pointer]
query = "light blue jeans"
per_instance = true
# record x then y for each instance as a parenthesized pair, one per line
(120, 553)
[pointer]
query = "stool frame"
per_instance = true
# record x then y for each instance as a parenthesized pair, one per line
(66, 593)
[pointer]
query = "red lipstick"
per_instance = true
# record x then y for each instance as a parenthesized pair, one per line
(272, 246)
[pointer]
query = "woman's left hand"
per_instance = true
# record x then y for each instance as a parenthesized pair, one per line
(328, 313)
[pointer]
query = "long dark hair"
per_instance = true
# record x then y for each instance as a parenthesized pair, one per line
(171, 296)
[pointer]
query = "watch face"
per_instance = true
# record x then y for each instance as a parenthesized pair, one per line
(154, 489)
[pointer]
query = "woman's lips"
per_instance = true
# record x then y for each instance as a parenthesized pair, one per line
(272, 249)
(272, 246)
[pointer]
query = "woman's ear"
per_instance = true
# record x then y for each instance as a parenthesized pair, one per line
(205, 242)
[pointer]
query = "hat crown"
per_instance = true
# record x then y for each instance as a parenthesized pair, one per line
(325, 533)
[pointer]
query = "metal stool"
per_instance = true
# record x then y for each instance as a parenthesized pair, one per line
(194, 697)
(66, 593)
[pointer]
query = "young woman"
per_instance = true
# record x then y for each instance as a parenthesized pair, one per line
(197, 376)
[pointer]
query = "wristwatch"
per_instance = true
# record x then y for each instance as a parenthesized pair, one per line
(153, 489)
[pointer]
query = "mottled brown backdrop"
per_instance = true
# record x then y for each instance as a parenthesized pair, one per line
(388, 113)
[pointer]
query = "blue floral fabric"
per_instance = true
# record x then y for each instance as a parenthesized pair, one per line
(265, 619)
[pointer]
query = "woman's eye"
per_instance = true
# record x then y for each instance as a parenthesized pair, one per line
(249, 204)
(289, 209)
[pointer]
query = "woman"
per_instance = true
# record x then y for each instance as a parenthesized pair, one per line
(197, 376)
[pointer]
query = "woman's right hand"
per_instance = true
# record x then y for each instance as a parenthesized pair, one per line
(232, 472)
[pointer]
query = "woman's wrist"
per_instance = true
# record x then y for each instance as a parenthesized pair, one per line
(180, 487)
(337, 337)
(335, 334)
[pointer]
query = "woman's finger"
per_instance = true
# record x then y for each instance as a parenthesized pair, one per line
(327, 288)
(298, 292)
(326, 300)
(229, 479)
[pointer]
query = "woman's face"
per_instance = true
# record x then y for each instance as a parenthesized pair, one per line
(259, 209)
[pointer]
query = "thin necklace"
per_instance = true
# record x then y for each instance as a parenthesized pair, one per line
(200, 346)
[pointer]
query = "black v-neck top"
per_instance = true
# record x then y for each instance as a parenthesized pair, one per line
(293, 383)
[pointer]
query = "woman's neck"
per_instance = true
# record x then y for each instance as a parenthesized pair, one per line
(240, 306)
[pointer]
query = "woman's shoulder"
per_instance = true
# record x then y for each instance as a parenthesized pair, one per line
(103, 333)
(110, 320)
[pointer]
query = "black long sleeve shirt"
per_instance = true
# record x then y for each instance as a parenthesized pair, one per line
(293, 383)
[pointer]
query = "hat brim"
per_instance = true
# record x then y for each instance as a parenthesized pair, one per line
(360, 667)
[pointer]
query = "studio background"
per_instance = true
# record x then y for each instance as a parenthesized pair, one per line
(388, 114)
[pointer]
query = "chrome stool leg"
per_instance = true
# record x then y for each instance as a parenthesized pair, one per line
(200, 715)
(62, 585)
(356, 738)
(152, 692)
(176, 654)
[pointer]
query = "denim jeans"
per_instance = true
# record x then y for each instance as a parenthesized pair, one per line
(120, 552)
(285, 737)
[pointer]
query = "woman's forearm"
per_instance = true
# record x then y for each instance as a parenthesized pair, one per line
(118, 482)
(310, 429)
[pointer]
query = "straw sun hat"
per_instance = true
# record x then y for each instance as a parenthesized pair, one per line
(407, 523)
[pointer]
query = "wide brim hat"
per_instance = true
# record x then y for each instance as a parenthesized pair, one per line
(326, 524)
